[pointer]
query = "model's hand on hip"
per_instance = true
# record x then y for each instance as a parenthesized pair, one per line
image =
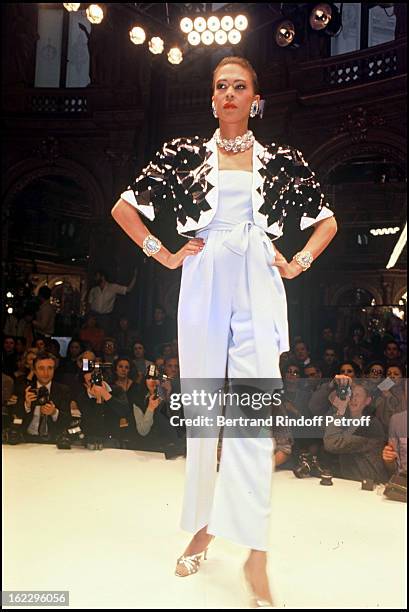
(287, 270)
(193, 247)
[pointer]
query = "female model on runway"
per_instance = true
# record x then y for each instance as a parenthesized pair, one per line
(229, 193)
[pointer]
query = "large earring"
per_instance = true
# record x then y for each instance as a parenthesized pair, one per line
(254, 109)
(214, 110)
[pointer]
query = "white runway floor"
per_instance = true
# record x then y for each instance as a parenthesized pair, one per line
(105, 526)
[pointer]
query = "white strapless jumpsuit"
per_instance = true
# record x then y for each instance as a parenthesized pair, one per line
(232, 311)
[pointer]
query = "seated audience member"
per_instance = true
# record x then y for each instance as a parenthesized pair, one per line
(101, 408)
(9, 356)
(91, 334)
(301, 354)
(40, 345)
(328, 340)
(356, 344)
(358, 447)
(69, 367)
(375, 371)
(139, 362)
(392, 353)
(121, 378)
(153, 430)
(312, 376)
(125, 336)
(395, 452)
(21, 345)
(44, 405)
(330, 361)
(7, 387)
(162, 330)
(109, 350)
(391, 400)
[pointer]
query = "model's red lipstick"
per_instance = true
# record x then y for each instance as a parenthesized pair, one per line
(229, 105)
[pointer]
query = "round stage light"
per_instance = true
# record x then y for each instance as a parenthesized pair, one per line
(284, 33)
(71, 6)
(186, 25)
(137, 35)
(234, 37)
(193, 38)
(213, 23)
(207, 37)
(175, 55)
(156, 45)
(220, 37)
(241, 23)
(94, 13)
(227, 23)
(320, 16)
(200, 24)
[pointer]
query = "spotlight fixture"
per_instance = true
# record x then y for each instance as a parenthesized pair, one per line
(175, 56)
(213, 23)
(284, 33)
(227, 23)
(156, 45)
(95, 14)
(234, 37)
(137, 35)
(186, 25)
(193, 38)
(320, 16)
(207, 37)
(220, 37)
(241, 23)
(200, 24)
(71, 6)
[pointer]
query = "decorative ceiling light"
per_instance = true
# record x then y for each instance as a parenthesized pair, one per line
(193, 38)
(137, 35)
(213, 23)
(175, 55)
(241, 23)
(234, 37)
(71, 6)
(334, 26)
(186, 25)
(94, 13)
(284, 33)
(227, 23)
(320, 16)
(156, 45)
(220, 37)
(200, 24)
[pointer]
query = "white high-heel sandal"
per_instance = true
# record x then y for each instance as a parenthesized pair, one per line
(189, 564)
(255, 601)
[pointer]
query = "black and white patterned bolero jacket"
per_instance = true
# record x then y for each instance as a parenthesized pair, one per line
(184, 175)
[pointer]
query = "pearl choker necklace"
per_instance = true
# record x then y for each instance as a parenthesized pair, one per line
(236, 145)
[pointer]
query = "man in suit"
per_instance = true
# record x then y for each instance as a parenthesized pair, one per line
(44, 405)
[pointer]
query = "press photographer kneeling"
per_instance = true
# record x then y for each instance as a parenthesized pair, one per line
(43, 406)
(359, 448)
(101, 408)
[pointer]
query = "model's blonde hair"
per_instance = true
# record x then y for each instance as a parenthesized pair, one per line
(240, 61)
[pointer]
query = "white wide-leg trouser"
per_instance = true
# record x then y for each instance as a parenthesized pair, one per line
(221, 321)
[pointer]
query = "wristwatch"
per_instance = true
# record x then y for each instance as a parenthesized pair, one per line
(151, 245)
(304, 259)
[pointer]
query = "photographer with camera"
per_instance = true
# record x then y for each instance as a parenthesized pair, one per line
(358, 447)
(322, 398)
(153, 429)
(43, 406)
(101, 406)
